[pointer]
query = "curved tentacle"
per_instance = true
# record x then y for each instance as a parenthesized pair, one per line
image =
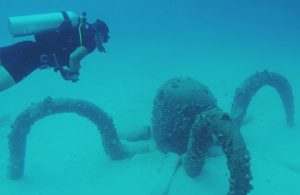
(251, 85)
(199, 141)
(227, 132)
(23, 123)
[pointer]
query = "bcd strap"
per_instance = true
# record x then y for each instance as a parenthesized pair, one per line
(65, 15)
(82, 22)
(66, 24)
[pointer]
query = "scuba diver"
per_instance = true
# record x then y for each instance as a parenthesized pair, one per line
(60, 49)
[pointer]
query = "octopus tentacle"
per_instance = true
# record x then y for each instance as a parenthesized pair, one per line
(251, 85)
(21, 127)
(233, 146)
(199, 141)
(238, 160)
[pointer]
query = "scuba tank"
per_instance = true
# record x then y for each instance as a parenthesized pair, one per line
(34, 24)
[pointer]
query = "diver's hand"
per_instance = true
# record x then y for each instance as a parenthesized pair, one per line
(69, 75)
(74, 77)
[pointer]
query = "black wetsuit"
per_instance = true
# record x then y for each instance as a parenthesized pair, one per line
(50, 49)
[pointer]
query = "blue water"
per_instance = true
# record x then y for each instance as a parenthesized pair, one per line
(218, 43)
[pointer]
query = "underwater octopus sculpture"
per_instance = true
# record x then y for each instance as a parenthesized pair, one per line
(186, 116)
(185, 120)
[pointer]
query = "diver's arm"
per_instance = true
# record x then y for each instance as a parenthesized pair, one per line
(75, 57)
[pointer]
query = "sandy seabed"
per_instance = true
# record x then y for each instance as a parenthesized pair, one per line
(64, 153)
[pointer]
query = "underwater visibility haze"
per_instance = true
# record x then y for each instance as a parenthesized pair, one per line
(191, 97)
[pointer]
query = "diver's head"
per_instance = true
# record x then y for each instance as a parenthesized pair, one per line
(101, 34)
